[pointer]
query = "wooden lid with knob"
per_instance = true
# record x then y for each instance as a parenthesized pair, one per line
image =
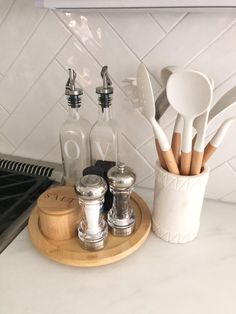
(58, 201)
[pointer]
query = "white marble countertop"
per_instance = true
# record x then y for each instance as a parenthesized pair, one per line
(161, 278)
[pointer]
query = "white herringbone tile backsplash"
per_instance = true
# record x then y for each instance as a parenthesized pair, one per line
(37, 47)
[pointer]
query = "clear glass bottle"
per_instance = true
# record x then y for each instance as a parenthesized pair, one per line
(104, 135)
(74, 135)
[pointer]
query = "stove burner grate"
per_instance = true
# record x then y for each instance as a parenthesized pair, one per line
(18, 192)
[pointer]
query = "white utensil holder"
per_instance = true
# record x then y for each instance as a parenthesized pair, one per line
(177, 205)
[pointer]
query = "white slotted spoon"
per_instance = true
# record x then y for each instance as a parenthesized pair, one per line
(148, 110)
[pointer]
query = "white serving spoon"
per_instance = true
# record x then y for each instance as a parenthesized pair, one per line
(148, 110)
(217, 139)
(199, 124)
(190, 94)
(176, 137)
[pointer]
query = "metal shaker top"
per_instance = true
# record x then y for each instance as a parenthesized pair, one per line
(91, 187)
(121, 177)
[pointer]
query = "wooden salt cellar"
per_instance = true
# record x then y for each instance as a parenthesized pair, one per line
(59, 213)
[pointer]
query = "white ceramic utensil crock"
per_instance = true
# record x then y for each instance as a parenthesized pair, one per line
(177, 205)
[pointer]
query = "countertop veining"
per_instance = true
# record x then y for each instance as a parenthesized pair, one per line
(163, 278)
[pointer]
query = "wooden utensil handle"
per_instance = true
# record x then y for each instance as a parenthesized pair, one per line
(175, 145)
(208, 152)
(185, 163)
(193, 141)
(196, 163)
(160, 156)
(170, 161)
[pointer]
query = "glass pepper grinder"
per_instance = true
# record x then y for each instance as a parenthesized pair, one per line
(121, 217)
(92, 231)
(74, 135)
(103, 136)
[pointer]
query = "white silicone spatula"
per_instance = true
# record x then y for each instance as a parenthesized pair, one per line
(217, 139)
(223, 104)
(200, 125)
(148, 110)
(190, 94)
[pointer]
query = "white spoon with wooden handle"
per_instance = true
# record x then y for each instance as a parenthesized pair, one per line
(176, 137)
(190, 93)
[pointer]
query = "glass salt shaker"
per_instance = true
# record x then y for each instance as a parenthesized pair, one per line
(121, 217)
(92, 231)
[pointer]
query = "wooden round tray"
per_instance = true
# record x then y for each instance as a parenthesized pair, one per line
(69, 252)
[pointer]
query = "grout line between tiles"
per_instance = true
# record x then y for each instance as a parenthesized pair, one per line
(138, 186)
(34, 83)
(50, 150)
(123, 40)
(37, 124)
(120, 37)
(173, 26)
(150, 14)
(8, 113)
(147, 160)
(145, 142)
(227, 194)
(221, 164)
(121, 90)
(3, 109)
(96, 60)
(219, 201)
(224, 81)
(77, 38)
(7, 13)
(234, 157)
(41, 74)
(136, 150)
(61, 104)
(7, 139)
(231, 25)
(126, 44)
(94, 57)
(147, 177)
(228, 163)
(165, 36)
(30, 35)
